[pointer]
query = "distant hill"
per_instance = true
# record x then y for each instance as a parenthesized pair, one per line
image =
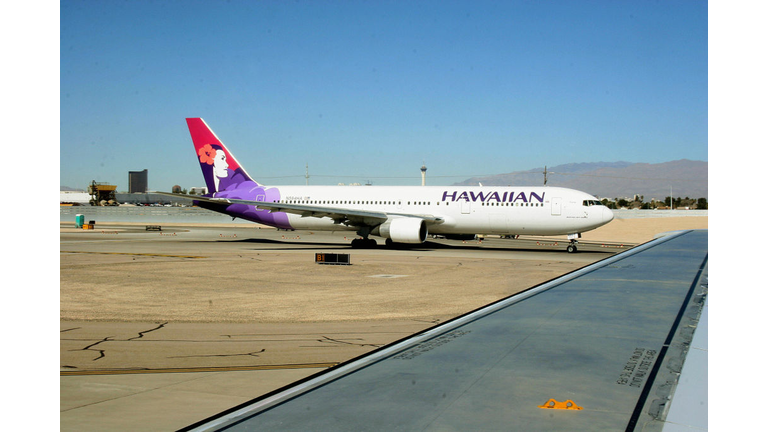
(687, 178)
(69, 189)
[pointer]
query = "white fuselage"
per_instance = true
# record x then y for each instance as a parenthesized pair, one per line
(463, 209)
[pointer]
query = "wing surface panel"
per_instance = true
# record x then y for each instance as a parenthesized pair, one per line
(610, 337)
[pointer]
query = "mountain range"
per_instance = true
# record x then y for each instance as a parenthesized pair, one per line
(686, 178)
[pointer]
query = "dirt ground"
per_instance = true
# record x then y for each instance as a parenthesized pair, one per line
(281, 288)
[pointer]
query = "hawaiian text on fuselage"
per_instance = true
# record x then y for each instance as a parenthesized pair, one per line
(493, 196)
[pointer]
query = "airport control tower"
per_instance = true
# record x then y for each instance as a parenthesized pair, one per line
(423, 175)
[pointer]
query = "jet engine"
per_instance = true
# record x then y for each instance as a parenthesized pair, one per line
(403, 230)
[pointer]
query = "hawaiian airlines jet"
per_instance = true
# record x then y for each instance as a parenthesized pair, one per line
(399, 214)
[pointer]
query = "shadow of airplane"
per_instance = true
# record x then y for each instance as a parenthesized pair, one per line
(524, 246)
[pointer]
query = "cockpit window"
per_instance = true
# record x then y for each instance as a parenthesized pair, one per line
(588, 203)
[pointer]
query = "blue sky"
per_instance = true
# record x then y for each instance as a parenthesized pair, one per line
(369, 90)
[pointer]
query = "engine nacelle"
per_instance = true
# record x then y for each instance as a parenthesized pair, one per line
(403, 230)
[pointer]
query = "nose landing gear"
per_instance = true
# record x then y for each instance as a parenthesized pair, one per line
(574, 239)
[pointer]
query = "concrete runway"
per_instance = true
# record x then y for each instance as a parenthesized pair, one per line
(162, 329)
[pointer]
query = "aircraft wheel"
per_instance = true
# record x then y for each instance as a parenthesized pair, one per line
(362, 243)
(572, 249)
(389, 243)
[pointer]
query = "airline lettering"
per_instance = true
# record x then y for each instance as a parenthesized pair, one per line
(493, 196)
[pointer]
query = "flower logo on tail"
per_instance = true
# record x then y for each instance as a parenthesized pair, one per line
(206, 153)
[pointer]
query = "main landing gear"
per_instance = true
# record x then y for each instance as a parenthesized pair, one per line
(364, 243)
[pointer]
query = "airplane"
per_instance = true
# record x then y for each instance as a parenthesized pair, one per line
(399, 214)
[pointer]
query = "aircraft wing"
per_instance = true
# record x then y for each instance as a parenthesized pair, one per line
(605, 347)
(338, 214)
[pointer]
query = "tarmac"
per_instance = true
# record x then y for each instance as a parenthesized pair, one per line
(162, 329)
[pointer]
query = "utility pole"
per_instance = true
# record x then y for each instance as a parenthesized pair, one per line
(306, 176)
(671, 200)
(545, 175)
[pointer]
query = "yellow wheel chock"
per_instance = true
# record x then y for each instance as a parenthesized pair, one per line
(567, 405)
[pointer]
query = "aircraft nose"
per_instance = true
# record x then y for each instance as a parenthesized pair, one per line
(607, 215)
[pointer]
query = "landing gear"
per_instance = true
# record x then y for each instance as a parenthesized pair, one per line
(574, 238)
(364, 243)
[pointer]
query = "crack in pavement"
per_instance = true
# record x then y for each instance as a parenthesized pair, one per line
(326, 339)
(251, 354)
(103, 353)
(432, 321)
(141, 334)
